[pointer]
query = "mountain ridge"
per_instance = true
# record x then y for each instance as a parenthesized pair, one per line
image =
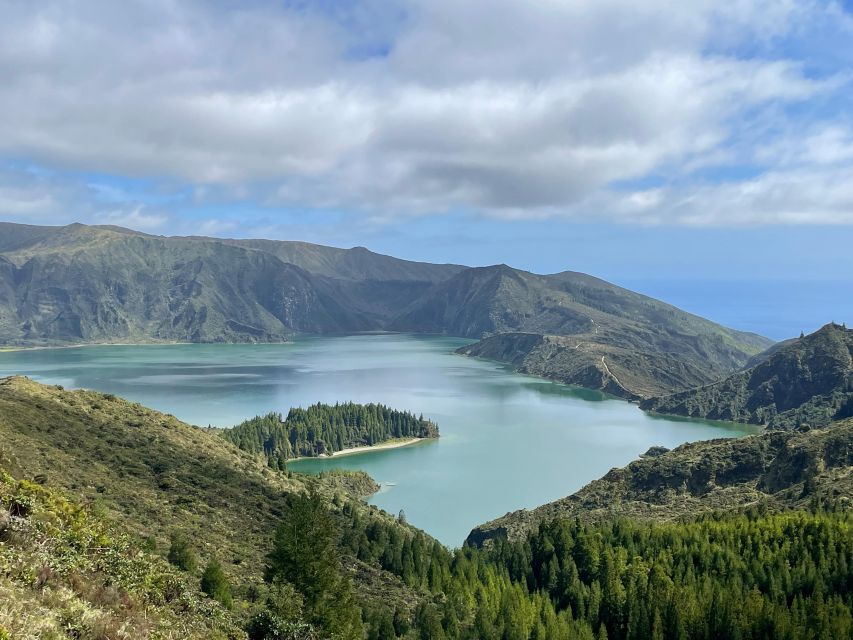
(807, 381)
(79, 284)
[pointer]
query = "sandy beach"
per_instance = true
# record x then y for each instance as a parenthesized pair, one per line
(392, 444)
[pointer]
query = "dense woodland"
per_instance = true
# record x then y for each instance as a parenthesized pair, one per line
(323, 429)
(751, 575)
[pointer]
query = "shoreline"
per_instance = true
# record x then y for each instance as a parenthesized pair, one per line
(153, 342)
(164, 343)
(354, 450)
(392, 444)
(47, 347)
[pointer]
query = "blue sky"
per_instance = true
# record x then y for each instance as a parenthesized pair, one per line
(650, 143)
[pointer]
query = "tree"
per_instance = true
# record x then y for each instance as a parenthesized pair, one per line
(181, 553)
(281, 617)
(215, 584)
(305, 554)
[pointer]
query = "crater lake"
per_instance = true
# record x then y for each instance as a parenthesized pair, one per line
(508, 441)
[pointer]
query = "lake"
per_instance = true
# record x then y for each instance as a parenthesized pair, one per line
(507, 442)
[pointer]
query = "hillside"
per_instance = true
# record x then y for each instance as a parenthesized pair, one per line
(622, 366)
(157, 476)
(579, 330)
(67, 572)
(98, 285)
(805, 382)
(299, 557)
(80, 284)
(779, 470)
(163, 480)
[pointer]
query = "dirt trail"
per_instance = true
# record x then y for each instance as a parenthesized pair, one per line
(610, 373)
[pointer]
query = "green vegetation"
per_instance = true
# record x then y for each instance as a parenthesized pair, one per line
(66, 572)
(305, 554)
(163, 480)
(747, 576)
(781, 470)
(79, 284)
(806, 382)
(181, 554)
(324, 429)
(287, 556)
(215, 584)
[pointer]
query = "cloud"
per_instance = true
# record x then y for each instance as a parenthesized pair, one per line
(135, 218)
(825, 145)
(500, 108)
(35, 196)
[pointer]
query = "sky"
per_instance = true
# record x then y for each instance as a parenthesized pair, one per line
(669, 146)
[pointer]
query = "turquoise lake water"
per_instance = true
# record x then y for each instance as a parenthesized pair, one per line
(507, 442)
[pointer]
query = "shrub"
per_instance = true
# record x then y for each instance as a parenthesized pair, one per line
(181, 554)
(215, 584)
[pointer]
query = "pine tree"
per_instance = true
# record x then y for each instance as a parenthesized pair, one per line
(305, 553)
(215, 584)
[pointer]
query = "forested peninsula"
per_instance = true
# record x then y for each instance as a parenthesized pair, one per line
(324, 429)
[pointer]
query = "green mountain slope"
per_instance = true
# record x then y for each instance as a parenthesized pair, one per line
(779, 470)
(805, 382)
(78, 284)
(91, 285)
(609, 338)
(93, 567)
(156, 476)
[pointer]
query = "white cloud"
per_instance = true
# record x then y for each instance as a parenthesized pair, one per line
(780, 197)
(828, 144)
(502, 107)
(134, 218)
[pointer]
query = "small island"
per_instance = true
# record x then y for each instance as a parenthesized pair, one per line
(328, 430)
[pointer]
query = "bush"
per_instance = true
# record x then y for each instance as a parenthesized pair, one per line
(181, 554)
(215, 584)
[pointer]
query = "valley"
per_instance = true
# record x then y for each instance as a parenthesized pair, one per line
(514, 523)
(426, 320)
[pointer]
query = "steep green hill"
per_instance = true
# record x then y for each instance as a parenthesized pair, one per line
(323, 429)
(779, 470)
(806, 382)
(156, 476)
(99, 285)
(609, 338)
